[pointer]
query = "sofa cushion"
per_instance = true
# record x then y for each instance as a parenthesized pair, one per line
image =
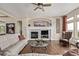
(34, 54)
(11, 45)
(73, 41)
(66, 35)
(64, 40)
(16, 48)
(21, 37)
(1, 52)
(72, 52)
(3, 42)
(8, 40)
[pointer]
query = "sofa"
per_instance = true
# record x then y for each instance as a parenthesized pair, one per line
(72, 52)
(73, 41)
(34, 54)
(10, 44)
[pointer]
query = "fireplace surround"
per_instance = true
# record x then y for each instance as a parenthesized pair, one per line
(40, 34)
(39, 29)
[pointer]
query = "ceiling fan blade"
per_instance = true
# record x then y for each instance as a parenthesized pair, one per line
(46, 5)
(36, 8)
(42, 8)
(35, 3)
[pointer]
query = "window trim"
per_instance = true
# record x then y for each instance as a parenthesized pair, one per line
(73, 26)
(70, 19)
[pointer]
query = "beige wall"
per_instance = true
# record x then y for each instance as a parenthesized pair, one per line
(25, 25)
(11, 20)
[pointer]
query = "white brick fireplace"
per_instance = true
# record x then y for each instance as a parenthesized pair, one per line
(40, 33)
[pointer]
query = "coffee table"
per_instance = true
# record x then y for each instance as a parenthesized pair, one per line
(39, 45)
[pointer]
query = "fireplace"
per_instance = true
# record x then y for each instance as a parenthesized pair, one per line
(34, 34)
(44, 34)
(39, 34)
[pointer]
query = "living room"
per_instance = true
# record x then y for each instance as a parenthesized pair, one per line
(35, 29)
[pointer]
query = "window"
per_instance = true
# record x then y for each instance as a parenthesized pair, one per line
(78, 28)
(70, 27)
(73, 23)
(71, 18)
(78, 16)
(70, 24)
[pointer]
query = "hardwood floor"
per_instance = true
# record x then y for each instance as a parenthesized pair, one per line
(53, 49)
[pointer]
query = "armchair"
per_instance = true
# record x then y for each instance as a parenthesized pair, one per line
(64, 40)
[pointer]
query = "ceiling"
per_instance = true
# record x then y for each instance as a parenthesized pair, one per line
(22, 10)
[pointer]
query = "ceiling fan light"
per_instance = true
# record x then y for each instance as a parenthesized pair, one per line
(41, 6)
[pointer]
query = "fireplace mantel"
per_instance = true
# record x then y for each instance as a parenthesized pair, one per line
(43, 28)
(39, 22)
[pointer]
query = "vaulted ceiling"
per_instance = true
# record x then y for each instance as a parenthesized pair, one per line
(22, 10)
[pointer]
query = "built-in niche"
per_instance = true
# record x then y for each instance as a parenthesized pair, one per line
(10, 28)
(2, 27)
(57, 25)
(40, 22)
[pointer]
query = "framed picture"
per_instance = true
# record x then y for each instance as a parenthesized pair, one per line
(2, 28)
(10, 28)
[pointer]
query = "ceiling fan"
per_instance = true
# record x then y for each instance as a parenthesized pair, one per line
(41, 6)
